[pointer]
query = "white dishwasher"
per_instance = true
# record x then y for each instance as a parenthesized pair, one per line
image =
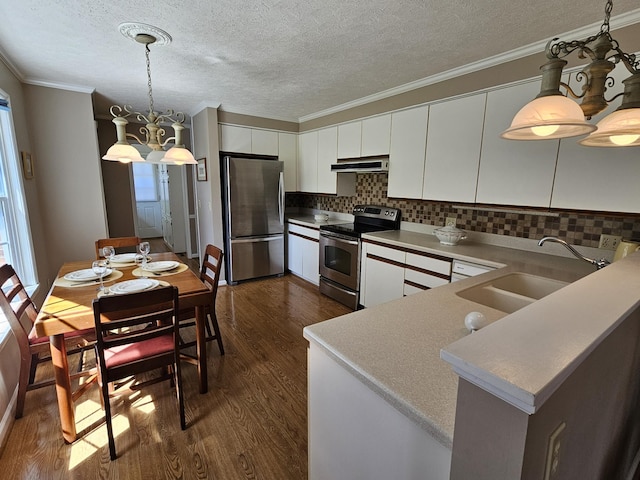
(463, 269)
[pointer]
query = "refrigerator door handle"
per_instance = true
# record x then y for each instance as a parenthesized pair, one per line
(281, 198)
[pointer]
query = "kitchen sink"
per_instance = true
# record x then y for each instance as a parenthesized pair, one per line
(511, 292)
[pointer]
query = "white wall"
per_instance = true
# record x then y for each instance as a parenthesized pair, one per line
(204, 127)
(67, 173)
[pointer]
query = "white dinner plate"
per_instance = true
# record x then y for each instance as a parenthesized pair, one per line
(124, 258)
(85, 275)
(133, 286)
(161, 266)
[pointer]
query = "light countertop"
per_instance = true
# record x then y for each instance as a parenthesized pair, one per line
(394, 348)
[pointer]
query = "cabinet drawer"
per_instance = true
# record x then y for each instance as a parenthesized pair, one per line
(428, 263)
(386, 253)
(424, 279)
(411, 289)
(304, 231)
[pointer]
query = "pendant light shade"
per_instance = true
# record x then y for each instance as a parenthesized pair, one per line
(553, 116)
(124, 153)
(179, 156)
(619, 129)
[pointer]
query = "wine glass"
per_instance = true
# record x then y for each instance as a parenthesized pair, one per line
(108, 253)
(99, 267)
(144, 248)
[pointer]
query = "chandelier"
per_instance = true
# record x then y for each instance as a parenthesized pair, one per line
(553, 115)
(153, 131)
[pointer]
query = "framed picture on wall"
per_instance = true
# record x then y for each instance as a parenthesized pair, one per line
(202, 170)
(27, 165)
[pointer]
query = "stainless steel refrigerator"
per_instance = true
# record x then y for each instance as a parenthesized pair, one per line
(253, 207)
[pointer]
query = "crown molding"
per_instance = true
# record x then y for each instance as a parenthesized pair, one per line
(203, 105)
(270, 117)
(60, 86)
(12, 68)
(620, 21)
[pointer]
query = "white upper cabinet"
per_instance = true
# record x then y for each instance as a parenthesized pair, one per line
(308, 162)
(597, 178)
(235, 139)
(407, 152)
(248, 140)
(514, 172)
(327, 154)
(288, 153)
(376, 135)
(264, 142)
(454, 138)
(349, 140)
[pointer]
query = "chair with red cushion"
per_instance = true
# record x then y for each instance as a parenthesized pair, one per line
(210, 276)
(137, 333)
(21, 313)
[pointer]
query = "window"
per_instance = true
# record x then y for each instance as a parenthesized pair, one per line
(16, 246)
(145, 183)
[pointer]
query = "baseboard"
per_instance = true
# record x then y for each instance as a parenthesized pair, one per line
(8, 419)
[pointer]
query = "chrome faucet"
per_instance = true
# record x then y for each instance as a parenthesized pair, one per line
(601, 263)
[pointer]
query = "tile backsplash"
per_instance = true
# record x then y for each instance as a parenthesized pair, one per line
(577, 228)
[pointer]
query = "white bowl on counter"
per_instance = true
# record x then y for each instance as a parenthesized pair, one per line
(449, 235)
(321, 217)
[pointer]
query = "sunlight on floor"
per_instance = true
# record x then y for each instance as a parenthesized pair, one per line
(89, 412)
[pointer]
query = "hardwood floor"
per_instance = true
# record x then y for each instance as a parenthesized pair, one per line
(251, 424)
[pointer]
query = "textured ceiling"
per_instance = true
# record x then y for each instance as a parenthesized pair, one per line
(282, 59)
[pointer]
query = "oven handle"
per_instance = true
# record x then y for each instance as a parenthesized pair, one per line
(342, 238)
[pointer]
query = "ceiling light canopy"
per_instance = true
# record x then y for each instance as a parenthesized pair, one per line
(553, 115)
(153, 131)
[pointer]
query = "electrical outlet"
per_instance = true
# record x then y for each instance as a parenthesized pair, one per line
(609, 242)
(450, 222)
(553, 452)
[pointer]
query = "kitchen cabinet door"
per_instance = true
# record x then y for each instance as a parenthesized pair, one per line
(288, 153)
(235, 139)
(590, 178)
(308, 162)
(264, 142)
(454, 138)
(376, 135)
(384, 272)
(349, 140)
(294, 254)
(327, 155)
(407, 152)
(514, 172)
(311, 261)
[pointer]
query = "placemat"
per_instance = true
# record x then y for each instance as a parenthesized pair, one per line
(138, 272)
(62, 282)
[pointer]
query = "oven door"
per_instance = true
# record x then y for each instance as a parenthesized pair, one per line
(340, 259)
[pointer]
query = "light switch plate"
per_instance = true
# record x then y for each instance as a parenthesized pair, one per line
(450, 221)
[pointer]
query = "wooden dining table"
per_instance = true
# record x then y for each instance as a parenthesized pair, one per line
(69, 308)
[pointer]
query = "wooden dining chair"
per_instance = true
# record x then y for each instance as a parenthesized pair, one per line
(210, 276)
(21, 313)
(137, 333)
(119, 243)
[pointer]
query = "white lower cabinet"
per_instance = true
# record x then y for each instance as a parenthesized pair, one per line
(303, 252)
(355, 433)
(383, 275)
(389, 273)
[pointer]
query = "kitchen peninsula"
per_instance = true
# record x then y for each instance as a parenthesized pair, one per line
(384, 404)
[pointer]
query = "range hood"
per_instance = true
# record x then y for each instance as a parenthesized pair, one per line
(361, 165)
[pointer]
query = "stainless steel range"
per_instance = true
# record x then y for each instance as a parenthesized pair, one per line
(340, 251)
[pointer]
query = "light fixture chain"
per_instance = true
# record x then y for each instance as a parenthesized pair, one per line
(607, 15)
(149, 79)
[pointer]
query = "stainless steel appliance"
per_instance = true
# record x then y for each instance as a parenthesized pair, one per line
(253, 209)
(340, 251)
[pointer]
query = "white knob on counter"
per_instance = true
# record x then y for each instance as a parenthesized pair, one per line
(475, 321)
